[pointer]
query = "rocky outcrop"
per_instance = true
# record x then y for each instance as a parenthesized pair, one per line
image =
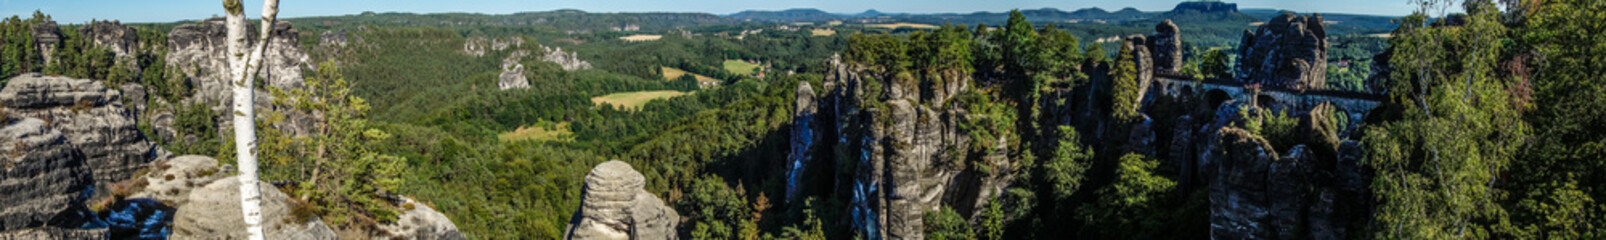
(89, 116)
(202, 45)
(1144, 60)
(803, 138)
(172, 180)
(43, 175)
(122, 40)
(614, 206)
(46, 37)
(513, 72)
(1167, 47)
(906, 146)
(419, 221)
(42, 233)
(1240, 199)
(479, 46)
(213, 212)
(568, 60)
(1288, 52)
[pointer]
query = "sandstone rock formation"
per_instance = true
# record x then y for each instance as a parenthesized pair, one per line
(1167, 47)
(803, 138)
(172, 180)
(513, 72)
(899, 138)
(1288, 52)
(46, 37)
(614, 206)
(122, 40)
(420, 222)
(569, 60)
(41, 175)
(1144, 60)
(89, 116)
(213, 212)
(202, 45)
(41, 233)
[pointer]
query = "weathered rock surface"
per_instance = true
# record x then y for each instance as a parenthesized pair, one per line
(1287, 52)
(46, 37)
(421, 222)
(803, 138)
(90, 117)
(899, 138)
(122, 40)
(513, 72)
(614, 206)
(1167, 47)
(569, 60)
(43, 233)
(1240, 199)
(202, 45)
(41, 174)
(172, 180)
(213, 212)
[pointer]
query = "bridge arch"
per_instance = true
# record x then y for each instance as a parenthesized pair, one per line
(1214, 97)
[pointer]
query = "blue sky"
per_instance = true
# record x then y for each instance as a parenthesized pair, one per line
(77, 11)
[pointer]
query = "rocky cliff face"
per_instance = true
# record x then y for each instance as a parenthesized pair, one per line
(41, 174)
(513, 72)
(122, 40)
(91, 118)
(569, 60)
(1287, 52)
(900, 137)
(202, 46)
(1167, 47)
(614, 206)
(46, 37)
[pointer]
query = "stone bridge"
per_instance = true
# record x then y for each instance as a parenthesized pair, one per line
(1355, 104)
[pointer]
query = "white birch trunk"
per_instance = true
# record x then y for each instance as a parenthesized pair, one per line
(244, 66)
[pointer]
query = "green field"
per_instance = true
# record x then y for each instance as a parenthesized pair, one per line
(555, 132)
(674, 73)
(634, 100)
(739, 67)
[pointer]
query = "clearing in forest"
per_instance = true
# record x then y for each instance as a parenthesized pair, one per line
(634, 100)
(675, 73)
(641, 37)
(554, 132)
(899, 25)
(823, 32)
(739, 67)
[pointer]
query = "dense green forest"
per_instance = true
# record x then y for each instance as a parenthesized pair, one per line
(1489, 127)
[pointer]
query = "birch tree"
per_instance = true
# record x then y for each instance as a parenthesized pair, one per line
(243, 65)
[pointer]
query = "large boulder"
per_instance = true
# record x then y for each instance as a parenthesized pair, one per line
(41, 174)
(213, 212)
(419, 221)
(1288, 52)
(91, 118)
(614, 206)
(171, 181)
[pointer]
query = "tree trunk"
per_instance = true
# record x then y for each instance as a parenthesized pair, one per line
(244, 66)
